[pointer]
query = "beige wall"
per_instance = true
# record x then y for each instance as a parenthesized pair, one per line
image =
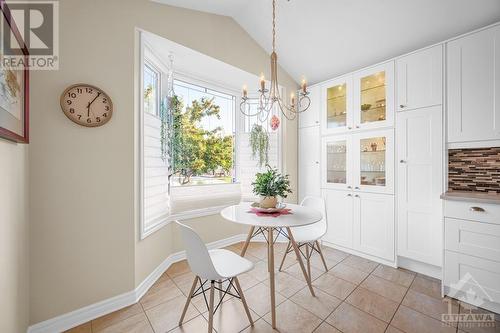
(14, 261)
(84, 233)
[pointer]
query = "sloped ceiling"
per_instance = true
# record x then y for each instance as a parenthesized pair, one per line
(320, 39)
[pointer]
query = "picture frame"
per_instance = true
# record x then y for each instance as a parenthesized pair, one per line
(14, 86)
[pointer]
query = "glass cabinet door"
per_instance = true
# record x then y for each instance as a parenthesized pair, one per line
(375, 164)
(336, 105)
(373, 105)
(335, 162)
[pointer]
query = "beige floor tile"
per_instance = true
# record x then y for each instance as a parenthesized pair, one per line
(231, 317)
(260, 326)
(291, 318)
(467, 326)
(334, 286)
(259, 299)
(165, 316)
(384, 288)
(318, 263)
(280, 247)
(291, 259)
(360, 263)
(296, 271)
(411, 321)
(257, 249)
(399, 276)
(374, 304)
(429, 287)
(286, 284)
(392, 329)
(334, 254)
(83, 328)
(259, 271)
(178, 268)
(322, 305)
(348, 273)
(184, 282)
(326, 328)
(160, 292)
(247, 281)
(349, 319)
(114, 317)
(430, 306)
(135, 324)
(196, 325)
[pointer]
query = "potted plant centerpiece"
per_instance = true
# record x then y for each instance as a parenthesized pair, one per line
(269, 185)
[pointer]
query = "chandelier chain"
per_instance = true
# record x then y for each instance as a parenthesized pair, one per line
(274, 25)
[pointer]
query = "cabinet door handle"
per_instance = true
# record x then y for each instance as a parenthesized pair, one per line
(357, 126)
(350, 128)
(476, 209)
(402, 106)
(356, 188)
(349, 186)
(317, 162)
(356, 196)
(349, 195)
(402, 161)
(317, 121)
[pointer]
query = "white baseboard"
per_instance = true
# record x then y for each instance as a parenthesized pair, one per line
(420, 267)
(96, 310)
(359, 254)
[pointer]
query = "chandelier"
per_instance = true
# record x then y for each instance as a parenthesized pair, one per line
(268, 98)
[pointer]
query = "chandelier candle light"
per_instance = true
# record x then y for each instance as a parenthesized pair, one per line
(269, 97)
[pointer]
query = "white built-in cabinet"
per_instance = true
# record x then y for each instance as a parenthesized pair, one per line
(420, 183)
(473, 87)
(419, 80)
(309, 162)
(340, 213)
(311, 116)
(362, 161)
(357, 101)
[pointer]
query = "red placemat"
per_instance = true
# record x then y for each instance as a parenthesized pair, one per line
(286, 211)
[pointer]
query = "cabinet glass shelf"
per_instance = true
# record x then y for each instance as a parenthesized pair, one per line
(373, 98)
(336, 106)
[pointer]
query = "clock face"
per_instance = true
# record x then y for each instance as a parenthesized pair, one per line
(86, 105)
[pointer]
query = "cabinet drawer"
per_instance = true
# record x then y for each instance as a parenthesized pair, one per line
(473, 211)
(472, 275)
(469, 237)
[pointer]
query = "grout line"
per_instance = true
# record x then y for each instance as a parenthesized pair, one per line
(149, 321)
(399, 305)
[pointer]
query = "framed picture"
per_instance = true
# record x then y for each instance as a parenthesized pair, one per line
(14, 83)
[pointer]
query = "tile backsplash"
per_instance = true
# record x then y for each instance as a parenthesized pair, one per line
(474, 169)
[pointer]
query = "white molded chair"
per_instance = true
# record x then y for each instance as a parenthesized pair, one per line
(308, 236)
(213, 265)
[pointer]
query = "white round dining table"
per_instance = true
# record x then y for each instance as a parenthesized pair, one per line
(298, 216)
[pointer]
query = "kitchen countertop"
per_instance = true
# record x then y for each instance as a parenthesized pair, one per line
(469, 196)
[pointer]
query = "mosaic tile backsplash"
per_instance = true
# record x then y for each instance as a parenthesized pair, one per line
(474, 169)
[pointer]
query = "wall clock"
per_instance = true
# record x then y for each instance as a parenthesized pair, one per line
(86, 105)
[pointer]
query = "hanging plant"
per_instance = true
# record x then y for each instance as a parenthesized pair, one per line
(164, 132)
(259, 142)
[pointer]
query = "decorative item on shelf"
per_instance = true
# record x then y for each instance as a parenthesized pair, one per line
(86, 105)
(365, 107)
(268, 98)
(275, 122)
(374, 146)
(14, 82)
(269, 185)
(259, 142)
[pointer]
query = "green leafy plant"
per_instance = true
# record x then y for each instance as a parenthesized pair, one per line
(271, 184)
(259, 142)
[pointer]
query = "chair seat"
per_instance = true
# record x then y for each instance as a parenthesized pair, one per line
(228, 264)
(308, 233)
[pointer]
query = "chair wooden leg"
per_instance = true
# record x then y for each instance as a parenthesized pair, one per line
(321, 255)
(299, 258)
(211, 307)
(188, 300)
(284, 256)
(308, 261)
(220, 289)
(249, 237)
(243, 300)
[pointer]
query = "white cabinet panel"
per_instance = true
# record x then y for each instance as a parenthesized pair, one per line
(339, 212)
(420, 79)
(474, 238)
(420, 179)
(473, 211)
(468, 274)
(473, 81)
(309, 162)
(373, 227)
(311, 116)
(373, 97)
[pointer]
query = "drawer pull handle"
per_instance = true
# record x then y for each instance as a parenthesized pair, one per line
(476, 209)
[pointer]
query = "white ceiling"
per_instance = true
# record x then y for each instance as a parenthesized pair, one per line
(319, 39)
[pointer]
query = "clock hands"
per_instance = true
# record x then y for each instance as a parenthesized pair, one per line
(88, 105)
